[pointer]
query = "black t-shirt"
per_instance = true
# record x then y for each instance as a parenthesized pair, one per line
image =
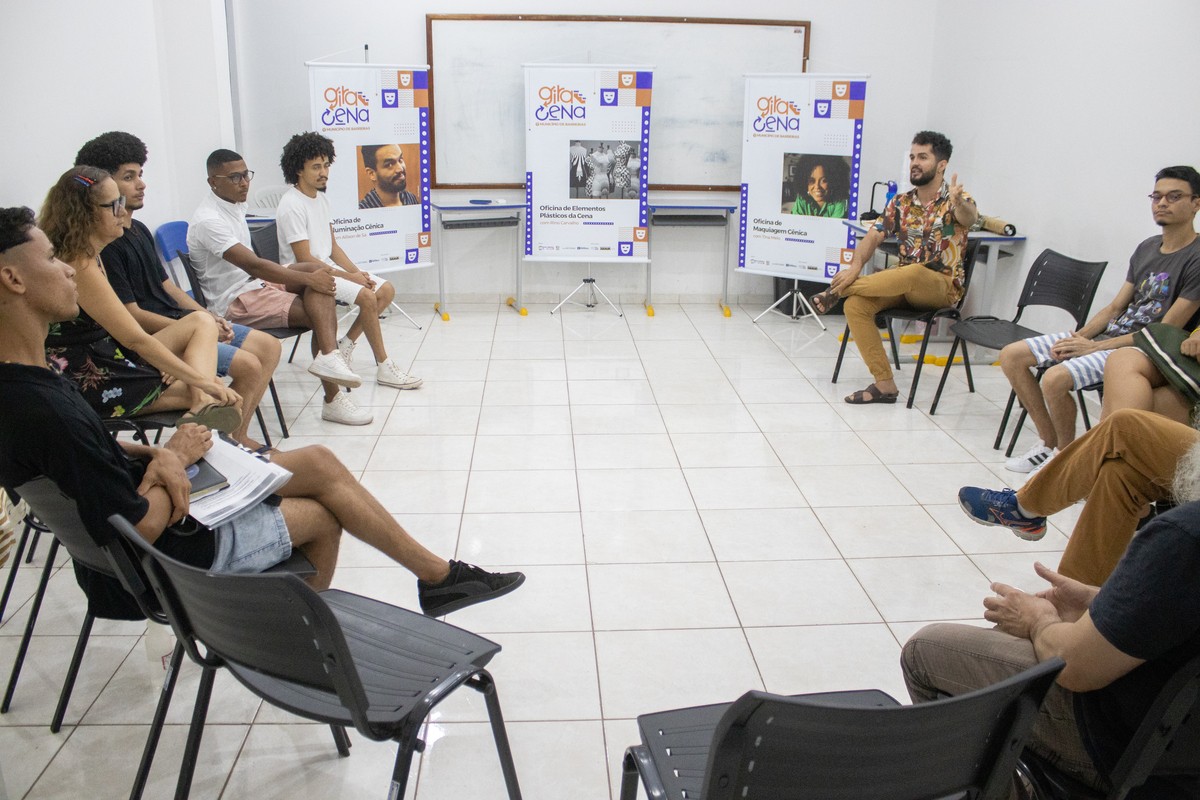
(137, 275)
(47, 428)
(1149, 608)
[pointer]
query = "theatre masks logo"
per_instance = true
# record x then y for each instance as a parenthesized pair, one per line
(840, 100)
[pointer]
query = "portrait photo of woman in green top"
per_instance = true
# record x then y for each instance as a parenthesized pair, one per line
(815, 185)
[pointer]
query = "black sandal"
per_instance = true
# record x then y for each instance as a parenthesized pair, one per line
(823, 301)
(871, 394)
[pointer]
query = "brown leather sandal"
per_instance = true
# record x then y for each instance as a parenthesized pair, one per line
(871, 394)
(823, 301)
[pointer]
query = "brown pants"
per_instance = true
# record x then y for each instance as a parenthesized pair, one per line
(952, 659)
(911, 286)
(1121, 465)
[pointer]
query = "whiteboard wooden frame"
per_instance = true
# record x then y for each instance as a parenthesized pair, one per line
(468, 123)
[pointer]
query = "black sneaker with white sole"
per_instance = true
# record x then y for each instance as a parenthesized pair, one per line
(465, 586)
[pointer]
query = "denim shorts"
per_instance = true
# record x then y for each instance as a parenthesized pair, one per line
(252, 541)
(227, 350)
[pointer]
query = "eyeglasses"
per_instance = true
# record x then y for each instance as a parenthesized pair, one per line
(238, 177)
(116, 205)
(1170, 197)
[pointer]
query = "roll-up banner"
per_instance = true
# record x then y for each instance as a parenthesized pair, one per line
(378, 118)
(801, 150)
(587, 155)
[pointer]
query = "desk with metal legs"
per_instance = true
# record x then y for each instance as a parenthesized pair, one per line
(456, 215)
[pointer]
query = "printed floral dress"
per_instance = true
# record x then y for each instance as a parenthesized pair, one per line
(116, 382)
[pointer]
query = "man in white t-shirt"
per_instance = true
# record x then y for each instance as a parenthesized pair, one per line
(305, 230)
(258, 293)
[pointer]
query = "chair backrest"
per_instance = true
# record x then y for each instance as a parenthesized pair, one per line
(269, 196)
(969, 259)
(171, 238)
(193, 278)
(60, 514)
(272, 623)
(1062, 282)
(265, 243)
(795, 748)
(1167, 743)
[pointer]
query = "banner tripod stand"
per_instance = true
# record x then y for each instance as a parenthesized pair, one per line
(798, 299)
(590, 284)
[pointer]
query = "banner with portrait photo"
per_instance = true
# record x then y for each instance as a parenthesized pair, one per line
(378, 118)
(587, 154)
(801, 151)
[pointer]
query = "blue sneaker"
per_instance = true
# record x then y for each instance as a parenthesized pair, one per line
(989, 507)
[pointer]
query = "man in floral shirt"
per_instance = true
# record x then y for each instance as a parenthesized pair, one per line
(930, 223)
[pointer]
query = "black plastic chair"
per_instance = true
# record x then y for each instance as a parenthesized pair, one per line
(839, 745)
(1164, 748)
(278, 333)
(929, 317)
(329, 656)
(60, 515)
(1054, 280)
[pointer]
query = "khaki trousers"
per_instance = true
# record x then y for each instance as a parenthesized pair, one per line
(911, 286)
(952, 659)
(1121, 465)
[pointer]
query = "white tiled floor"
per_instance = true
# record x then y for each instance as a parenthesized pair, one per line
(696, 509)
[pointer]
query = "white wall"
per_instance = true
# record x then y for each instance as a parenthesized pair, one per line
(272, 85)
(74, 69)
(1062, 113)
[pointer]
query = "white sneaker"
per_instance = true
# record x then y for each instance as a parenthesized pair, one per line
(331, 367)
(1031, 459)
(341, 409)
(346, 347)
(1046, 461)
(389, 374)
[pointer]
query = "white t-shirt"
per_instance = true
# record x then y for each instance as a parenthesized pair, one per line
(301, 217)
(217, 226)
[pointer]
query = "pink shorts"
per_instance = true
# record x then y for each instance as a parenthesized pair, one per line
(267, 307)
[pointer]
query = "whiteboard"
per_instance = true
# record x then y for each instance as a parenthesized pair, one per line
(699, 66)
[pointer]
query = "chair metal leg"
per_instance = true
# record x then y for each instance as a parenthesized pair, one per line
(946, 373)
(967, 367)
(33, 543)
(33, 615)
(1012, 443)
(1087, 421)
(912, 390)
(294, 346)
(407, 744)
(64, 697)
(12, 572)
(341, 739)
(837, 368)
(893, 340)
(187, 767)
(629, 776)
(1012, 398)
(262, 426)
(278, 407)
(482, 682)
(156, 725)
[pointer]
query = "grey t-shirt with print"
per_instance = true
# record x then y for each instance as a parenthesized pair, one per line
(1158, 280)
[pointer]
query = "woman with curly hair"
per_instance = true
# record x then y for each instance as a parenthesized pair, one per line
(121, 369)
(825, 187)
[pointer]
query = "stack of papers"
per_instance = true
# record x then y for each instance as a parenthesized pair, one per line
(250, 480)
